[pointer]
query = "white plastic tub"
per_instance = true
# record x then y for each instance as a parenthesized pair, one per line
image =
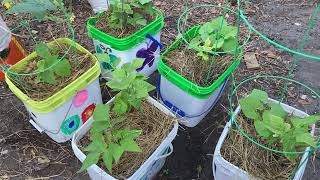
(191, 109)
(61, 123)
(131, 54)
(148, 169)
(224, 170)
(99, 5)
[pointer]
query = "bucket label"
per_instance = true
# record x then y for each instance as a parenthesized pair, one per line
(87, 113)
(148, 54)
(70, 125)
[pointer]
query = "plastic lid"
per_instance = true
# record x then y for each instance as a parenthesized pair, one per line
(5, 35)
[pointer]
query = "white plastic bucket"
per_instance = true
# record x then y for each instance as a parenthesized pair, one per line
(224, 170)
(148, 169)
(99, 5)
(191, 109)
(61, 123)
(129, 55)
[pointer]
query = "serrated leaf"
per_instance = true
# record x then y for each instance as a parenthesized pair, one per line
(63, 68)
(130, 145)
(107, 160)
(101, 113)
(116, 151)
(91, 159)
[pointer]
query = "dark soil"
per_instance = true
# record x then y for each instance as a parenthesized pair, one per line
(103, 25)
(24, 153)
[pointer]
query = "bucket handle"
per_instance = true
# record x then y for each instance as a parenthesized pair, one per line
(154, 40)
(165, 155)
(179, 111)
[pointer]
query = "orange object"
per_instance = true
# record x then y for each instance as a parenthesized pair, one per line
(16, 53)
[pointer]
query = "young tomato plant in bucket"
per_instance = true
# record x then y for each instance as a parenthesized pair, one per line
(276, 126)
(214, 36)
(108, 141)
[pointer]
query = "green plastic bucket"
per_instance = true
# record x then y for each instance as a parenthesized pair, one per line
(189, 100)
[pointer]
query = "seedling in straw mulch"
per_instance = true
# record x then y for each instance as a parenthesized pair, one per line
(214, 36)
(270, 125)
(125, 17)
(126, 131)
(210, 52)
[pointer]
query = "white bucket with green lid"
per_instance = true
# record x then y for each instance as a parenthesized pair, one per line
(185, 98)
(144, 44)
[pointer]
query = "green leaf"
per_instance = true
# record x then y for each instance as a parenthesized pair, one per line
(42, 50)
(229, 32)
(119, 106)
(63, 68)
(101, 113)
(262, 129)
(229, 45)
(307, 139)
(277, 110)
(97, 145)
(103, 57)
(47, 77)
(99, 126)
(116, 151)
(217, 44)
(141, 21)
(288, 144)
(91, 159)
(145, 1)
(218, 22)
(252, 103)
(37, 8)
(119, 74)
(301, 122)
(275, 124)
(107, 160)
(130, 145)
(137, 63)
